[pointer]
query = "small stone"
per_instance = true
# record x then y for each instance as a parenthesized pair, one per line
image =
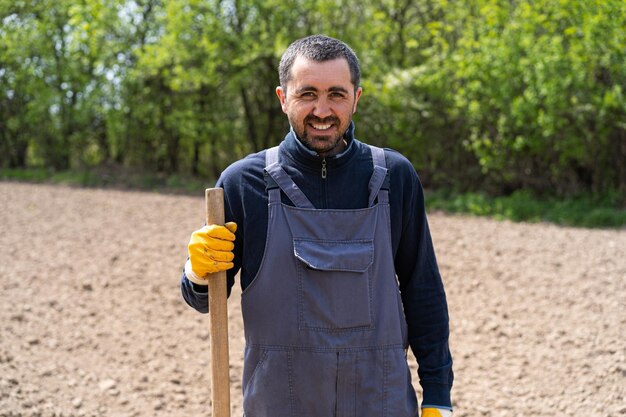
(77, 402)
(107, 384)
(18, 317)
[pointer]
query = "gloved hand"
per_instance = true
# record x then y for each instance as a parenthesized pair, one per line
(210, 250)
(436, 412)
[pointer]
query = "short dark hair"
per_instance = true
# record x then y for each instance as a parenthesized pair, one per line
(318, 48)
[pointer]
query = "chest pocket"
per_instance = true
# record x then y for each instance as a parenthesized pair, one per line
(334, 284)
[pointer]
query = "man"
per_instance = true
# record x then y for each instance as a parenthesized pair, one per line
(338, 270)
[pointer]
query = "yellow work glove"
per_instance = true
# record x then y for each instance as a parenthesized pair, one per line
(436, 412)
(210, 250)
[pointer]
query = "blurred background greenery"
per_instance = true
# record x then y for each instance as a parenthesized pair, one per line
(503, 106)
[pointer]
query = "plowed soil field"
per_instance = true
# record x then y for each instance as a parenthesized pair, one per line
(92, 322)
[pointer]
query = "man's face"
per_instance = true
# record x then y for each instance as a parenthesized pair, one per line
(319, 102)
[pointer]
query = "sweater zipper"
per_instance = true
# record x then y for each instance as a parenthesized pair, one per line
(324, 174)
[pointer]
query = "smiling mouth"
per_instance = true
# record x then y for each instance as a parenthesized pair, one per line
(319, 126)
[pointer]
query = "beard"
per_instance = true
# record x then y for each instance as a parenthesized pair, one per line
(324, 145)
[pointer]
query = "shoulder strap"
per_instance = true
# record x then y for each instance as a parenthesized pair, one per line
(271, 156)
(379, 182)
(277, 179)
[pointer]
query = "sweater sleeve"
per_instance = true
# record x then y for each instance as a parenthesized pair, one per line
(423, 296)
(196, 296)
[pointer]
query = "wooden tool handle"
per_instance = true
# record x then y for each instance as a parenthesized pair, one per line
(218, 317)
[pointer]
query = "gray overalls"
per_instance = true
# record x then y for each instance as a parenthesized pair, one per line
(325, 330)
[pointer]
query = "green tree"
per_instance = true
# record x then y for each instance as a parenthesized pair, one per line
(479, 94)
(543, 92)
(54, 62)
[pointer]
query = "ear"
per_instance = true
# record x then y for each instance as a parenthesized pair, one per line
(357, 95)
(282, 96)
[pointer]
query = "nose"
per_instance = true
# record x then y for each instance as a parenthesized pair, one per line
(322, 108)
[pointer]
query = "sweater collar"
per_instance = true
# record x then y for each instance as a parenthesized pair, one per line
(299, 152)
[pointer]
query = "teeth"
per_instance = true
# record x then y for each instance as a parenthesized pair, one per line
(321, 127)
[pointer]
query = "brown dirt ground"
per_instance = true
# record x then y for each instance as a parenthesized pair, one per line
(93, 324)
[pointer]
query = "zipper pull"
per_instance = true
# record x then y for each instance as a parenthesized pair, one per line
(324, 168)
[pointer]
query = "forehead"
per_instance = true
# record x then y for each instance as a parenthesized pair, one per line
(321, 75)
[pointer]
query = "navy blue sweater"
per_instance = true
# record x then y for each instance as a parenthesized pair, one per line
(345, 187)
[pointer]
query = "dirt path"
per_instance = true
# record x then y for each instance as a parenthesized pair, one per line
(93, 324)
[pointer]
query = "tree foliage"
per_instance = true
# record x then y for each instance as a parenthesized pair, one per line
(494, 94)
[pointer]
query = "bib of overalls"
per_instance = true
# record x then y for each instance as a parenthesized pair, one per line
(324, 325)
